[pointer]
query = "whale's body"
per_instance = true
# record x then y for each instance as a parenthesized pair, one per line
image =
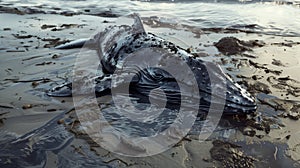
(117, 42)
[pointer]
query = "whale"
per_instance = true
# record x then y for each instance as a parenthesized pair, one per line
(116, 43)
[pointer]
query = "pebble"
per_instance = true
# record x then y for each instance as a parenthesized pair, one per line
(27, 106)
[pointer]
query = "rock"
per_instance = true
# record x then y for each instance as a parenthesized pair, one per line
(27, 106)
(233, 46)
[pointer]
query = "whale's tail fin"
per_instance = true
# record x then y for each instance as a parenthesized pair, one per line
(137, 27)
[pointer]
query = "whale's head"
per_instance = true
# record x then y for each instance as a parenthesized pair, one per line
(237, 99)
(217, 91)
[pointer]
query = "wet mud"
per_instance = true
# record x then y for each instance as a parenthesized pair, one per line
(30, 66)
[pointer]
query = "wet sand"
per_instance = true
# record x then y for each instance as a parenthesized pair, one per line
(30, 66)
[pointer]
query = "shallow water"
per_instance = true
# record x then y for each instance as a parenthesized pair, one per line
(267, 16)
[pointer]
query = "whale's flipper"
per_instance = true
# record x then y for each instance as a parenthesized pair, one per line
(73, 44)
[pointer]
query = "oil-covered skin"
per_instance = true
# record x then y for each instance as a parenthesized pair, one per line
(118, 42)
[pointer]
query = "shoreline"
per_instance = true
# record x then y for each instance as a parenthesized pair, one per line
(28, 57)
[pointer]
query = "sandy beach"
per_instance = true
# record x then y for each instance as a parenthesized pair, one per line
(268, 69)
